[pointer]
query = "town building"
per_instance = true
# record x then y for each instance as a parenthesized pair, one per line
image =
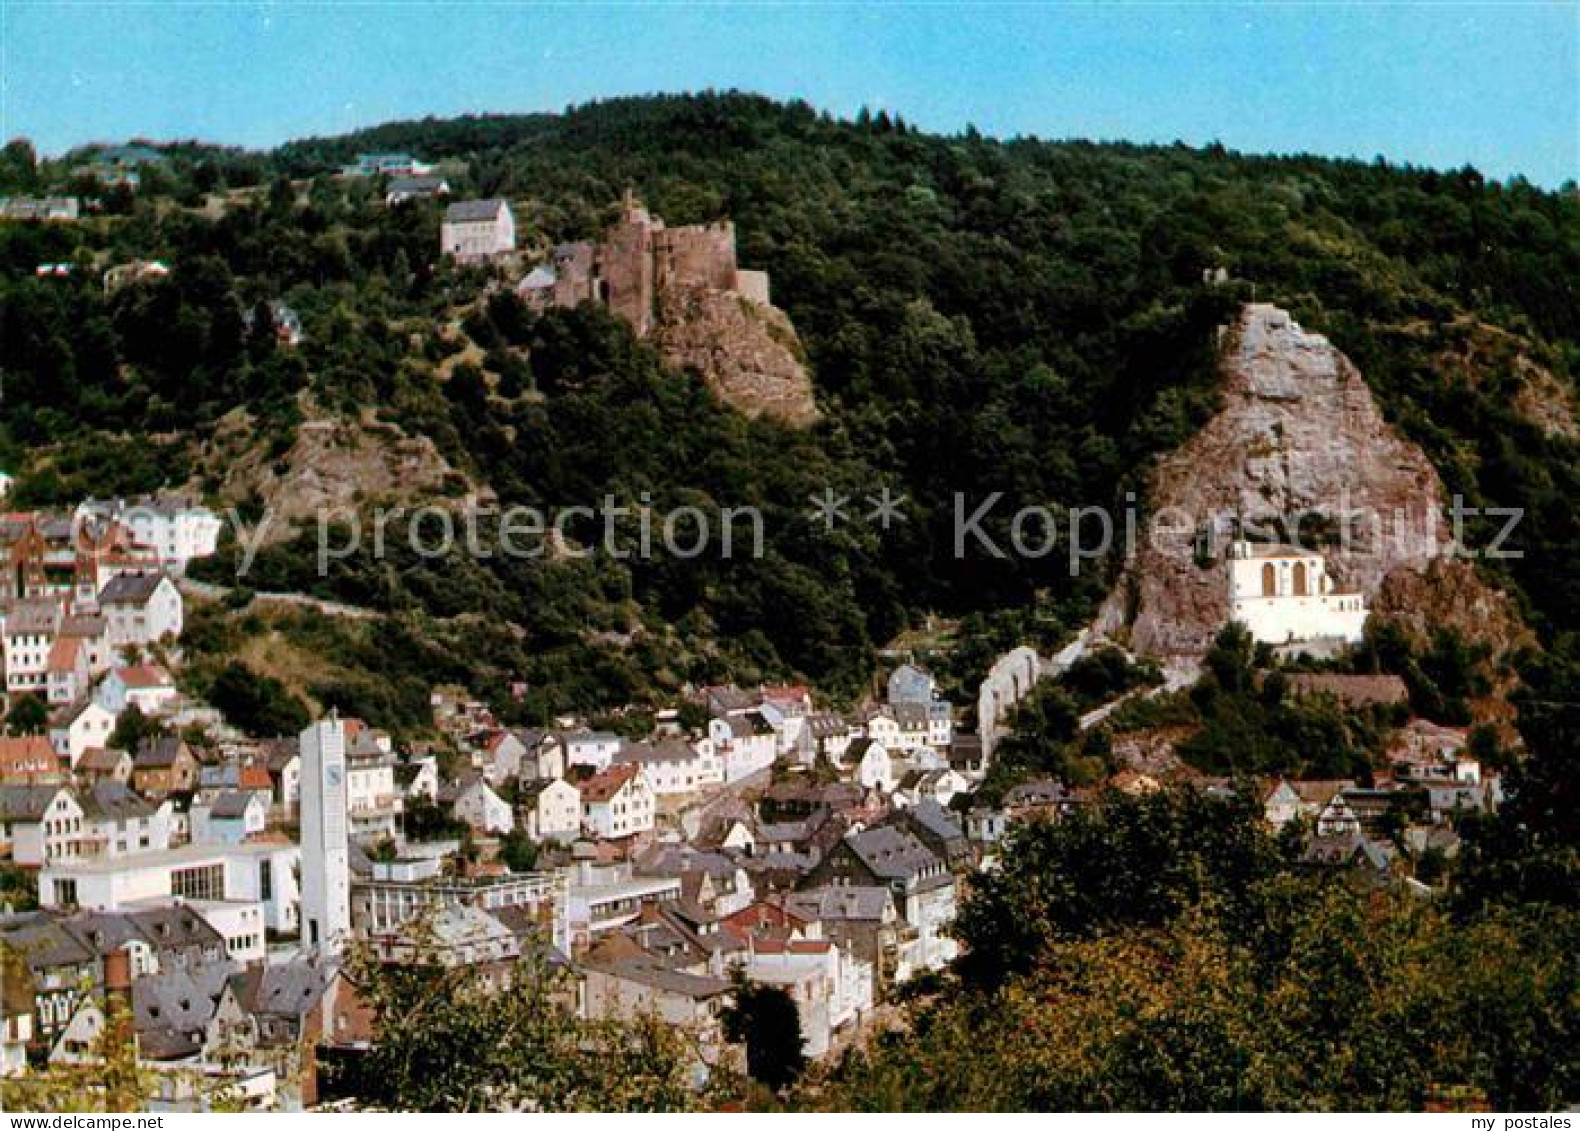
(618, 803)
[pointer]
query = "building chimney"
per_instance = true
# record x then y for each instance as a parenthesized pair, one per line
(118, 975)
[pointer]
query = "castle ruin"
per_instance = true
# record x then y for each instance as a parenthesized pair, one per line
(682, 289)
(638, 263)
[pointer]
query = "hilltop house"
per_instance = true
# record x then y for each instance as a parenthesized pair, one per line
(386, 164)
(402, 189)
(474, 231)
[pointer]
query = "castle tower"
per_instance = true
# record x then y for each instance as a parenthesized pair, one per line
(627, 268)
(326, 869)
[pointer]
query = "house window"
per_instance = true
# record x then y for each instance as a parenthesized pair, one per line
(66, 893)
(206, 881)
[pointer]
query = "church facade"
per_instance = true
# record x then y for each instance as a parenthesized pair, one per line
(1283, 595)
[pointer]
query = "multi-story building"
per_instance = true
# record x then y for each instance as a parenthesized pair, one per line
(477, 230)
(618, 803)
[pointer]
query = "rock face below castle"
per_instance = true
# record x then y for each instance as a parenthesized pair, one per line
(1299, 433)
(746, 351)
(682, 289)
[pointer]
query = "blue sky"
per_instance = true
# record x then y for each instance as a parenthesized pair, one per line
(1433, 83)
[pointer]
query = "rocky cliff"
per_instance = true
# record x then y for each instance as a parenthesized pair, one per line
(334, 466)
(1299, 436)
(746, 351)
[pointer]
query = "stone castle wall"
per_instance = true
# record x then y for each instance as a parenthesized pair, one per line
(697, 255)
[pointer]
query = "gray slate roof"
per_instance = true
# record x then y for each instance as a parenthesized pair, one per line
(473, 211)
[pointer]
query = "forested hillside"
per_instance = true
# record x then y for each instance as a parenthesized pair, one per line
(979, 315)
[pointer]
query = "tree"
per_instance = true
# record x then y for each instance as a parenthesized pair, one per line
(445, 1039)
(1337, 997)
(260, 705)
(1128, 862)
(764, 1018)
(518, 851)
(132, 729)
(28, 715)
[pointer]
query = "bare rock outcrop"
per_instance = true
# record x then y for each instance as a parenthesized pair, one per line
(1299, 436)
(747, 351)
(334, 466)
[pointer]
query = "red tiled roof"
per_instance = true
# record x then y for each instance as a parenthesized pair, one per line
(601, 787)
(25, 758)
(145, 676)
(63, 654)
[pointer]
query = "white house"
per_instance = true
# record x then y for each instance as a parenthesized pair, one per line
(503, 752)
(402, 189)
(831, 987)
(940, 785)
(256, 871)
(746, 744)
(41, 823)
(476, 230)
(875, 768)
(618, 802)
(176, 529)
(141, 609)
(27, 635)
(594, 748)
(545, 756)
(147, 686)
(6, 483)
(419, 777)
(675, 767)
(484, 810)
(1283, 595)
(551, 809)
(80, 727)
(373, 801)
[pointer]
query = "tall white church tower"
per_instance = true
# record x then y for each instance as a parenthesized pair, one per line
(326, 868)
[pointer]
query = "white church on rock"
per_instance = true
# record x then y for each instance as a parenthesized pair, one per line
(1283, 595)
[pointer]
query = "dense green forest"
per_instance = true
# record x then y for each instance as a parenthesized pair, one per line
(980, 315)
